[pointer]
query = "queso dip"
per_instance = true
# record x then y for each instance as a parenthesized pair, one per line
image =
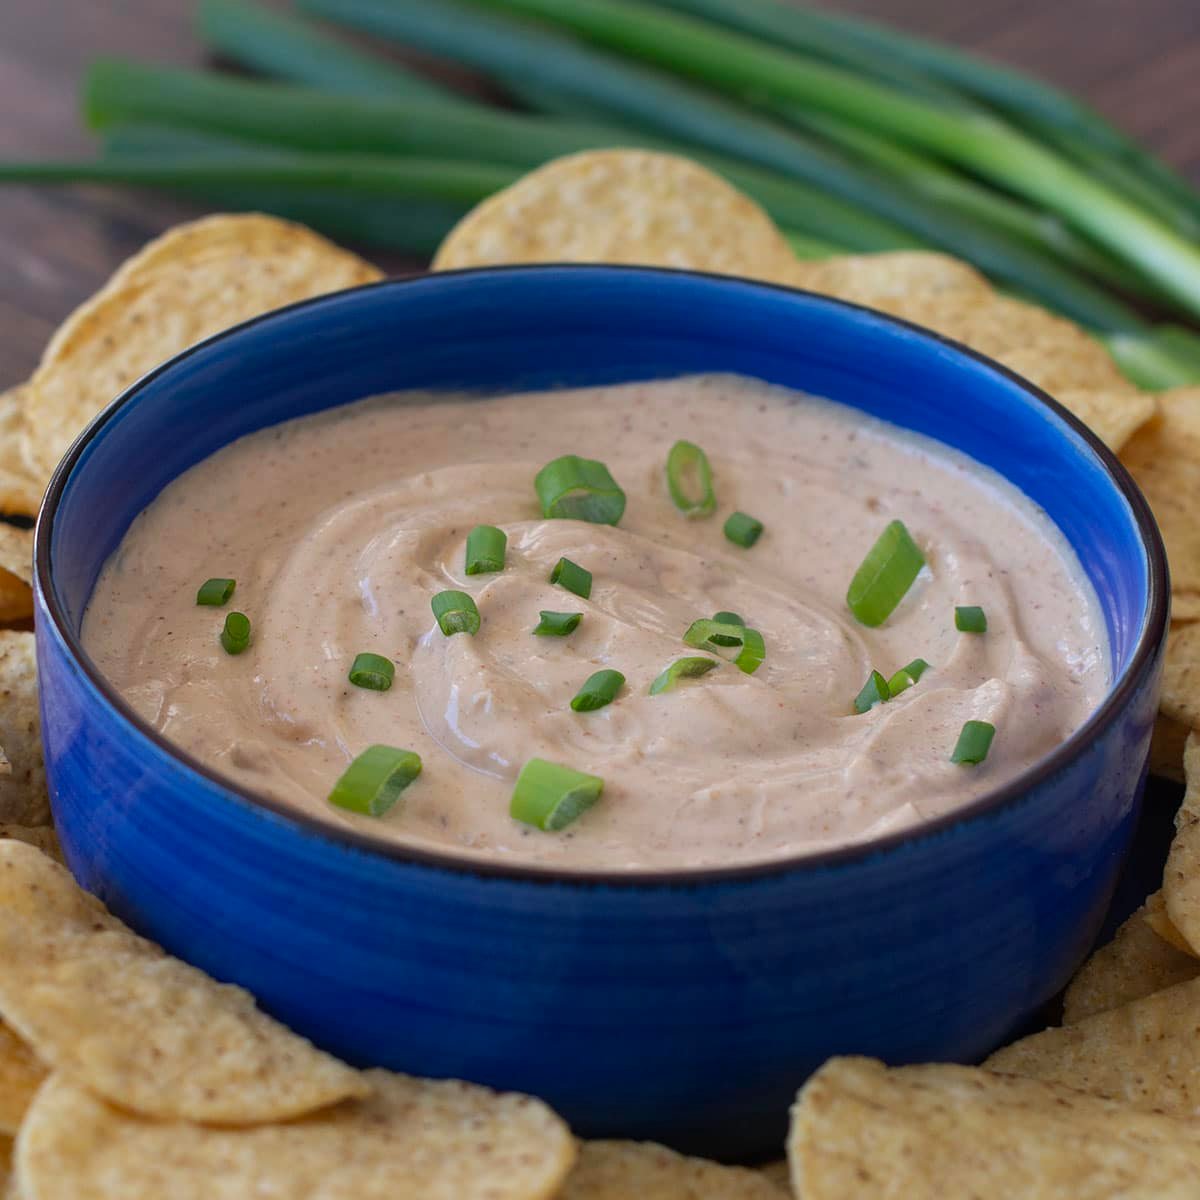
(340, 529)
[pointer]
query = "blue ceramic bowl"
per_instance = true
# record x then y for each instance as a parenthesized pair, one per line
(682, 1007)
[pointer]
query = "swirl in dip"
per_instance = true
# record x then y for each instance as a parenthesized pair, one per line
(340, 527)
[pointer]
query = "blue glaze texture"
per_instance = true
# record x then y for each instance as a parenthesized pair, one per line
(684, 1009)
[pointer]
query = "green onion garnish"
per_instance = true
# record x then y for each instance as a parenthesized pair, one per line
(598, 690)
(372, 671)
(752, 653)
(874, 691)
(215, 592)
(970, 619)
(689, 480)
(556, 624)
(455, 613)
(974, 742)
(885, 576)
(726, 618)
(550, 797)
(573, 577)
(485, 550)
(705, 635)
(372, 783)
(235, 637)
(579, 489)
(742, 529)
(907, 676)
(682, 668)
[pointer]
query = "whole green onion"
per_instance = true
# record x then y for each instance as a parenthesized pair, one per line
(550, 797)
(904, 678)
(485, 550)
(743, 530)
(973, 743)
(557, 624)
(573, 577)
(455, 612)
(215, 592)
(599, 689)
(689, 480)
(970, 618)
(579, 489)
(882, 581)
(874, 691)
(372, 671)
(682, 668)
(372, 783)
(235, 636)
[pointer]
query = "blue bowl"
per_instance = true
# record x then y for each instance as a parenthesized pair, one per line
(685, 1007)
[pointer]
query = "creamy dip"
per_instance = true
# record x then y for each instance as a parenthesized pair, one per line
(340, 527)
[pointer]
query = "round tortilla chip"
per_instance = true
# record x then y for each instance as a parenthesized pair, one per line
(1181, 875)
(23, 796)
(21, 1074)
(16, 573)
(647, 1171)
(411, 1139)
(194, 281)
(144, 1030)
(780, 1174)
(41, 836)
(620, 206)
(20, 483)
(1181, 675)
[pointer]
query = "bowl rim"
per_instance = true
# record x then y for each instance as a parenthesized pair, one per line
(311, 825)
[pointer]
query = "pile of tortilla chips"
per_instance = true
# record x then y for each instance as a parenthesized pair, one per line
(127, 1074)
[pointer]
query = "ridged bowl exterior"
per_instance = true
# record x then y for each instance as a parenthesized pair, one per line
(681, 1008)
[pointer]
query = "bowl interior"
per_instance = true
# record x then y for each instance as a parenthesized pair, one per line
(543, 327)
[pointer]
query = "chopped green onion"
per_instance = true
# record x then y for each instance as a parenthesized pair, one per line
(752, 653)
(689, 480)
(885, 576)
(556, 624)
(550, 797)
(682, 668)
(215, 592)
(970, 619)
(726, 618)
(704, 634)
(598, 690)
(579, 489)
(974, 742)
(372, 671)
(907, 676)
(573, 577)
(874, 691)
(485, 550)
(743, 530)
(372, 783)
(455, 613)
(235, 637)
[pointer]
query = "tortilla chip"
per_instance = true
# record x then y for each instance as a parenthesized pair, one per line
(16, 573)
(939, 1132)
(41, 836)
(21, 1074)
(1159, 920)
(1166, 748)
(1181, 675)
(20, 485)
(1145, 1053)
(620, 206)
(23, 797)
(194, 281)
(1181, 876)
(6, 1186)
(1164, 458)
(411, 1139)
(646, 1171)
(780, 1174)
(141, 1029)
(1136, 963)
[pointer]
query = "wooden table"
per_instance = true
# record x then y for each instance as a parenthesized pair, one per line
(1137, 60)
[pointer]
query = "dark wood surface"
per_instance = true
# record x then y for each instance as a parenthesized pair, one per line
(1137, 60)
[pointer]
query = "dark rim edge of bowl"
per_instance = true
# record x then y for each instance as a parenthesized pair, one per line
(1144, 652)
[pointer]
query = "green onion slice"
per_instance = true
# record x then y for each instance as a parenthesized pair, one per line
(752, 653)
(455, 613)
(707, 635)
(689, 480)
(970, 619)
(372, 671)
(372, 783)
(573, 577)
(907, 676)
(743, 530)
(579, 489)
(598, 690)
(550, 797)
(485, 550)
(235, 637)
(215, 592)
(974, 742)
(556, 624)
(874, 691)
(726, 618)
(885, 576)
(682, 668)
